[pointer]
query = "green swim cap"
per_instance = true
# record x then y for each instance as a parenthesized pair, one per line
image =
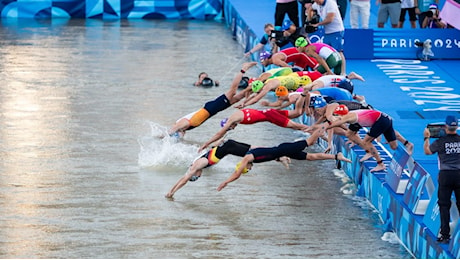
(257, 85)
(301, 42)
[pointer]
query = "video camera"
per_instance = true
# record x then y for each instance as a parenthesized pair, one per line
(436, 130)
(314, 19)
(277, 35)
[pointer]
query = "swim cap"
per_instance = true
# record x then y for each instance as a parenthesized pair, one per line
(317, 102)
(346, 84)
(281, 91)
(301, 42)
(305, 80)
(257, 85)
(286, 25)
(264, 55)
(244, 82)
(341, 110)
(245, 170)
(207, 82)
(223, 122)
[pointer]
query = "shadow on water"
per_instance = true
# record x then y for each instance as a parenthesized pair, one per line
(83, 176)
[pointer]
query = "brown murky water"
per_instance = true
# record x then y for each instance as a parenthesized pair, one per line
(81, 175)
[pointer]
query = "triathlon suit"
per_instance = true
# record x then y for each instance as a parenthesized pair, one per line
(291, 81)
(292, 150)
(352, 105)
(379, 122)
(331, 81)
(228, 147)
(330, 94)
(274, 116)
(314, 75)
(282, 71)
(330, 55)
(210, 109)
(300, 60)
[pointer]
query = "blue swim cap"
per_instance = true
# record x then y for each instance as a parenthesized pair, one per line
(317, 102)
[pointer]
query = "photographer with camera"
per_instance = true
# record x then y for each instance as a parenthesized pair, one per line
(448, 149)
(266, 38)
(290, 34)
(432, 19)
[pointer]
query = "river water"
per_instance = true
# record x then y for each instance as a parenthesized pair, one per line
(83, 175)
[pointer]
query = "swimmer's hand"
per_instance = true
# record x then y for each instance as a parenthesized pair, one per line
(204, 146)
(221, 186)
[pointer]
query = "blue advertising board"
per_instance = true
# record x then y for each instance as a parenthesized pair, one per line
(400, 43)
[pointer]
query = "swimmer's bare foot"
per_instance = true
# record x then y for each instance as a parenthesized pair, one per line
(340, 157)
(379, 167)
(285, 161)
(169, 196)
(366, 157)
(354, 75)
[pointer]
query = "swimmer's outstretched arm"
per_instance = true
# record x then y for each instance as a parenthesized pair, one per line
(194, 170)
(245, 163)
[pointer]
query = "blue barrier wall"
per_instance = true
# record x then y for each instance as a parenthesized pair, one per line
(112, 9)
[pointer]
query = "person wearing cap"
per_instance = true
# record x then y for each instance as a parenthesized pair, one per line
(329, 59)
(290, 32)
(293, 150)
(421, 8)
(213, 107)
(212, 157)
(448, 149)
(205, 81)
(292, 82)
(285, 99)
(379, 123)
(249, 116)
(290, 57)
(332, 21)
(268, 28)
(340, 81)
(432, 19)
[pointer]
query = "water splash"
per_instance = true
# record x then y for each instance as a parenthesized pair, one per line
(158, 149)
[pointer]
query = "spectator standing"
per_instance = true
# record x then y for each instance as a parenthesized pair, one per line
(421, 7)
(409, 7)
(290, 34)
(289, 7)
(391, 9)
(342, 4)
(360, 9)
(448, 149)
(333, 25)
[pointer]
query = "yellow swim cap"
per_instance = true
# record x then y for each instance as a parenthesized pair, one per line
(245, 170)
(281, 91)
(304, 80)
